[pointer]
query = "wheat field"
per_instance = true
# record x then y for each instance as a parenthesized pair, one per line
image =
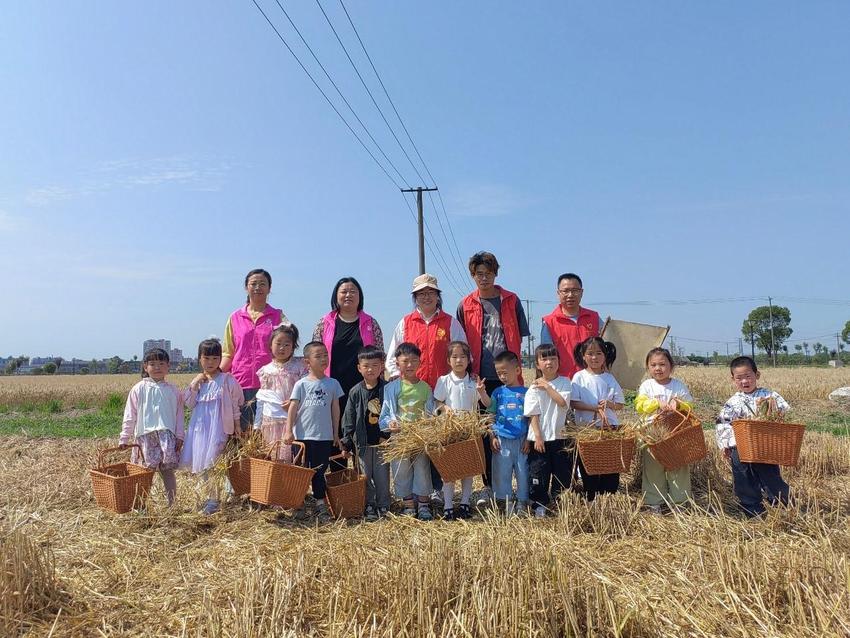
(605, 569)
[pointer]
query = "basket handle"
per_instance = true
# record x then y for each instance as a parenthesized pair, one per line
(685, 416)
(106, 450)
(355, 460)
(299, 456)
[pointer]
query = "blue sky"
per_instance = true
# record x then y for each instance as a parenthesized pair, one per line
(152, 153)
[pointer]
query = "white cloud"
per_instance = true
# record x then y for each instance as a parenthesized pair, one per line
(192, 173)
(487, 200)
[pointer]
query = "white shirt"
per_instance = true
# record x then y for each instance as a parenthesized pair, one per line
(552, 416)
(457, 393)
(662, 393)
(593, 388)
(456, 333)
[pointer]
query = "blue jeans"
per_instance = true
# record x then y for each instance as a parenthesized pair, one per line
(510, 461)
(750, 480)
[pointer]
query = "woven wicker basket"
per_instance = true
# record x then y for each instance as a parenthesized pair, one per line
(456, 461)
(685, 443)
(771, 442)
(239, 475)
(346, 490)
(279, 483)
(120, 487)
(611, 455)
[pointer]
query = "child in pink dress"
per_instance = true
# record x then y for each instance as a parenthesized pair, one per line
(153, 419)
(214, 398)
(276, 382)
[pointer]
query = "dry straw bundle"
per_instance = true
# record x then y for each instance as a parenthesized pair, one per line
(431, 434)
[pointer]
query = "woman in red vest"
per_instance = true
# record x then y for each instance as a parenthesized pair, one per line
(494, 321)
(430, 328)
(569, 324)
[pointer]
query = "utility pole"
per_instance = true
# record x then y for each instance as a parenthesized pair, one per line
(772, 344)
(752, 340)
(420, 222)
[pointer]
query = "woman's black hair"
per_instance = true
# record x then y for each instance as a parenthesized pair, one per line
(662, 351)
(544, 350)
(154, 354)
(465, 347)
(257, 271)
(346, 280)
(608, 349)
(285, 329)
(209, 348)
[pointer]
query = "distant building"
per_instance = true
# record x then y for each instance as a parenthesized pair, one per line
(176, 355)
(150, 344)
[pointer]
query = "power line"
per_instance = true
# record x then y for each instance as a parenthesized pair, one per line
(324, 95)
(339, 92)
(404, 128)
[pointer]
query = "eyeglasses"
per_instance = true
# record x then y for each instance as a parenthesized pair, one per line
(566, 292)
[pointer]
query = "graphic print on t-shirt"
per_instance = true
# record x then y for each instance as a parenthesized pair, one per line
(317, 396)
(373, 409)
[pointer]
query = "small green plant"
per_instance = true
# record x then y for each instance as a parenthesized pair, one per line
(114, 403)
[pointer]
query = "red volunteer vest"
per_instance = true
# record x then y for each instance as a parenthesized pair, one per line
(567, 334)
(473, 318)
(433, 340)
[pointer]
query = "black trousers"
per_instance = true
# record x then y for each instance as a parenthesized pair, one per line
(551, 471)
(339, 464)
(316, 455)
(599, 484)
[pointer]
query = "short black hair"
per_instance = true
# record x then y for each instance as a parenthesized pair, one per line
(312, 345)
(740, 362)
(209, 348)
(484, 258)
(570, 275)
(506, 357)
(407, 349)
(608, 349)
(370, 353)
(154, 354)
(347, 280)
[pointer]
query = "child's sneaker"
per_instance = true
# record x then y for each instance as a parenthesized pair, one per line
(424, 513)
(370, 514)
(522, 509)
(437, 498)
(408, 511)
(484, 497)
(322, 512)
(540, 512)
(463, 512)
(210, 507)
(449, 515)
(383, 511)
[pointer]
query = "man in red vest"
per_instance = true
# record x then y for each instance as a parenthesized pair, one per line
(494, 321)
(569, 324)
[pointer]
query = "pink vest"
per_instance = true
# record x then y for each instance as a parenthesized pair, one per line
(251, 341)
(367, 334)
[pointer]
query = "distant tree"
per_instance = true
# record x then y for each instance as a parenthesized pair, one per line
(806, 348)
(49, 368)
(845, 334)
(818, 347)
(113, 364)
(798, 348)
(84, 370)
(37, 371)
(758, 325)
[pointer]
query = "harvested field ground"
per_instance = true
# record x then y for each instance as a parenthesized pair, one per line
(610, 569)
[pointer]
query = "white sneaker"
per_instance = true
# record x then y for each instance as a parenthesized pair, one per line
(437, 498)
(539, 512)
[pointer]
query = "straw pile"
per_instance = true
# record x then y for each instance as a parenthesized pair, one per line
(604, 569)
(433, 433)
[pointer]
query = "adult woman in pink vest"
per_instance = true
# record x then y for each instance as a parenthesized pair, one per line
(430, 328)
(569, 324)
(245, 347)
(344, 330)
(494, 321)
